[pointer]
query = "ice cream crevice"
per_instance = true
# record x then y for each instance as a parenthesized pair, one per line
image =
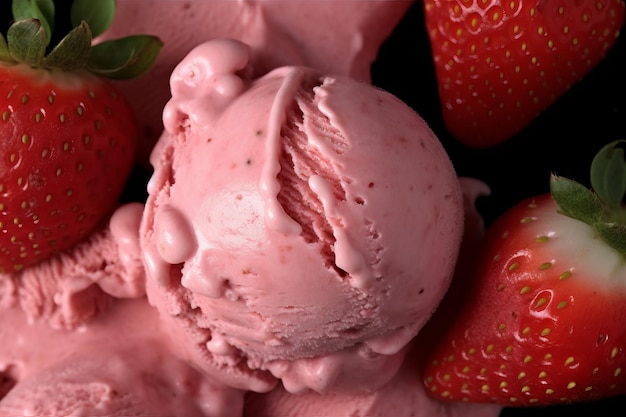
(307, 136)
(8, 379)
(214, 347)
(216, 351)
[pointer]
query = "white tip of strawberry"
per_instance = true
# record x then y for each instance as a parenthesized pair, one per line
(602, 207)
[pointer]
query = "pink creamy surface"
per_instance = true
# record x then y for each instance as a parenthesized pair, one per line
(77, 285)
(343, 38)
(118, 365)
(296, 224)
(72, 346)
(403, 396)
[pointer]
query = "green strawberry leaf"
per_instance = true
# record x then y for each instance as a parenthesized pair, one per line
(5, 55)
(608, 174)
(124, 58)
(27, 41)
(97, 13)
(42, 10)
(72, 51)
(602, 207)
(575, 200)
(613, 234)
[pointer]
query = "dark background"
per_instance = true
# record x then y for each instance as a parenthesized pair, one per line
(564, 140)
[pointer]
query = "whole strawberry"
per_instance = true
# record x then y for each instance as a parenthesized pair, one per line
(542, 320)
(67, 136)
(500, 63)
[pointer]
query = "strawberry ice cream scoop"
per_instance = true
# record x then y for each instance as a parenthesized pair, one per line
(298, 226)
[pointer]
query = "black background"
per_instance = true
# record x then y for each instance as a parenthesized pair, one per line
(564, 140)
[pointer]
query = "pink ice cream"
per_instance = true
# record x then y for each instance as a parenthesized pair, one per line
(342, 37)
(69, 342)
(75, 286)
(78, 337)
(403, 396)
(118, 365)
(299, 227)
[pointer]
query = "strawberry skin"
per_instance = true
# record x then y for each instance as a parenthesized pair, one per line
(500, 63)
(68, 145)
(68, 136)
(542, 321)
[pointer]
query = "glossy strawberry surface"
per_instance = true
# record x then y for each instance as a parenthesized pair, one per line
(68, 145)
(501, 63)
(542, 320)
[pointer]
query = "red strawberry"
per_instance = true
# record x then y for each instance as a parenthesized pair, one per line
(543, 316)
(68, 136)
(500, 63)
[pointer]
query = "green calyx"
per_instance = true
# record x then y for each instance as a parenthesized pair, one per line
(603, 206)
(28, 40)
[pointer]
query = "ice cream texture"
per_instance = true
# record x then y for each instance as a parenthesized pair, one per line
(335, 37)
(298, 225)
(76, 286)
(119, 365)
(402, 396)
(79, 338)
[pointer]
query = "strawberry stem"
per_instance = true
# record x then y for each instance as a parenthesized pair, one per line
(603, 206)
(28, 40)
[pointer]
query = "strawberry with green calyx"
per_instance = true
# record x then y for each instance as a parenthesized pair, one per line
(499, 64)
(604, 210)
(67, 136)
(542, 318)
